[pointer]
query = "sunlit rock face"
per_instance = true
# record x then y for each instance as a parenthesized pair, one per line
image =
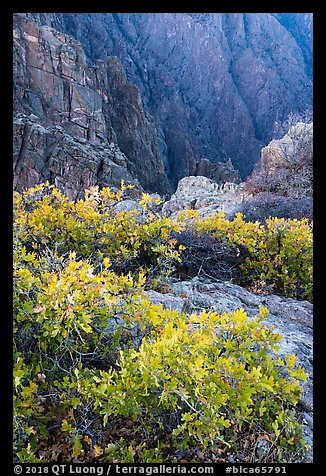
(205, 195)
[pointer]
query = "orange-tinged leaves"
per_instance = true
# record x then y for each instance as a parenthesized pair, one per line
(39, 308)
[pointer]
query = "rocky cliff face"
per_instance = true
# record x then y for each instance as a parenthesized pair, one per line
(301, 28)
(179, 94)
(215, 83)
(43, 152)
(286, 165)
(289, 162)
(89, 121)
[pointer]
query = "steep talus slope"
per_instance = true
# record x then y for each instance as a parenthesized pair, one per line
(215, 83)
(97, 105)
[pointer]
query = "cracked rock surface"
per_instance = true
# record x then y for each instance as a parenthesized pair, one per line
(95, 106)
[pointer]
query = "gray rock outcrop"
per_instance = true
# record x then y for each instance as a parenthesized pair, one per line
(286, 165)
(204, 195)
(43, 152)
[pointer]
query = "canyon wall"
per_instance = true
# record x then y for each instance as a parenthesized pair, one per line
(178, 93)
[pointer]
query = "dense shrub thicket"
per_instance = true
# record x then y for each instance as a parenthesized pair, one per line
(101, 374)
(46, 222)
(275, 256)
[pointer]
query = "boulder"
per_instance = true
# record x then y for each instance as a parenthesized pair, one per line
(168, 301)
(205, 195)
(128, 206)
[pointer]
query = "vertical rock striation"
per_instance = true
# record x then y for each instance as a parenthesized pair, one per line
(96, 108)
(181, 92)
(215, 83)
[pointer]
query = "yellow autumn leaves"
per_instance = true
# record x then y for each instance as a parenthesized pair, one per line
(91, 350)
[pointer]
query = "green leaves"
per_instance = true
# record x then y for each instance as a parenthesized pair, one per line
(280, 252)
(93, 353)
(65, 426)
(93, 229)
(176, 371)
